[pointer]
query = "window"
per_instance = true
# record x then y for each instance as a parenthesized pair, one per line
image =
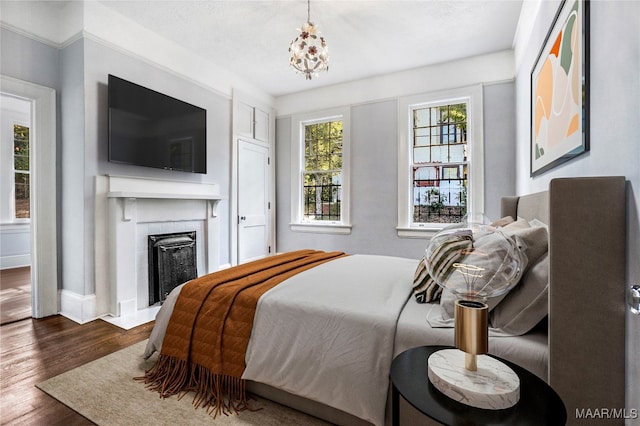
(440, 160)
(322, 176)
(21, 171)
(319, 168)
(439, 163)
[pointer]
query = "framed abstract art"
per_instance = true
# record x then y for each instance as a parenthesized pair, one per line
(560, 90)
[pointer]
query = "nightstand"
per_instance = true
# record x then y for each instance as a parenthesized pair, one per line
(539, 404)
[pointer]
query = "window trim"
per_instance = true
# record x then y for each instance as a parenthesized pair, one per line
(298, 122)
(475, 140)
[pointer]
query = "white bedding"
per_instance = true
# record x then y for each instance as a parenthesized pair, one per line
(329, 333)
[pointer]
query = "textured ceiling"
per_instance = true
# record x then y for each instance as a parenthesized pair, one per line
(365, 38)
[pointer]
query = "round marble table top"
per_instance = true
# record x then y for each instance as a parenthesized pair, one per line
(539, 404)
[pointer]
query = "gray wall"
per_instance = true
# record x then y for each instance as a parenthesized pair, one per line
(614, 132)
(29, 60)
(76, 261)
(374, 177)
(79, 73)
(499, 149)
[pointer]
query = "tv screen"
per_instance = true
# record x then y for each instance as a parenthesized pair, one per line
(147, 128)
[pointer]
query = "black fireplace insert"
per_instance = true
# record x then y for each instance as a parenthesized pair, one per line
(172, 261)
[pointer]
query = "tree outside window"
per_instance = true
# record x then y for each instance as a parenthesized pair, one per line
(322, 176)
(22, 174)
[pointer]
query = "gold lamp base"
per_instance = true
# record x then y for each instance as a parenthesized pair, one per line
(471, 330)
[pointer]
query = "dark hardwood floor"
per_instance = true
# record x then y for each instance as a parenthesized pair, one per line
(32, 351)
(15, 294)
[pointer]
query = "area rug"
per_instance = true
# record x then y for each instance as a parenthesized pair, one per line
(104, 392)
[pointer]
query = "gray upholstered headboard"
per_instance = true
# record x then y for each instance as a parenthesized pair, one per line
(587, 238)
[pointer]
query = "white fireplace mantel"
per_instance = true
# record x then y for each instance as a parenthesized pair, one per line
(132, 188)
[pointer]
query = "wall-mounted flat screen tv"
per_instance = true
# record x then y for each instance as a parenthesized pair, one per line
(147, 128)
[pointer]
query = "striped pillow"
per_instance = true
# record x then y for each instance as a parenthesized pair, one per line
(425, 289)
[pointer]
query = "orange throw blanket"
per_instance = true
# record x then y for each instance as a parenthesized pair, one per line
(205, 343)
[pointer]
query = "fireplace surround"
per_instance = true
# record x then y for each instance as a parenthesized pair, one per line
(127, 211)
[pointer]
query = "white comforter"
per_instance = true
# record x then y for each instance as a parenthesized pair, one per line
(327, 334)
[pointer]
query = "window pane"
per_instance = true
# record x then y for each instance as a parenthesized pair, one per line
(22, 195)
(421, 155)
(457, 153)
(21, 147)
(322, 195)
(421, 117)
(450, 172)
(21, 150)
(421, 141)
(336, 157)
(439, 154)
(435, 135)
(323, 146)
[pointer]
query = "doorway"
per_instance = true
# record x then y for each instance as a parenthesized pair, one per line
(15, 208)
(42, 184)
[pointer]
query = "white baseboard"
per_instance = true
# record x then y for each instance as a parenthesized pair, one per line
(18, 261)
(77, 307)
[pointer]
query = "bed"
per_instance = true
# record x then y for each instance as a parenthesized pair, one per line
(350, 316)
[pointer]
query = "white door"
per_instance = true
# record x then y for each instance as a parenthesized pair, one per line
(253, 201)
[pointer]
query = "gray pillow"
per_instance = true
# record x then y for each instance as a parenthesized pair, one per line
(526, 304)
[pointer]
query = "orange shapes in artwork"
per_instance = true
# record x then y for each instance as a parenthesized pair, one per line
(573, 125)
(555, 49)
(544, 94)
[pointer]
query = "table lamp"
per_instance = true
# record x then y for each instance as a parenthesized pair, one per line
(475, 261)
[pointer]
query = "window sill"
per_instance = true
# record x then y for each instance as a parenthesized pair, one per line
(321, 228)
(21, 226)
(415, 232)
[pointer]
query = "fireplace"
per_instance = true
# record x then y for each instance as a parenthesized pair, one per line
(128, 210)
(172, 261)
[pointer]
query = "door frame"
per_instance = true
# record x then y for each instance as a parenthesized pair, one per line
(237, 134)
(44, 254)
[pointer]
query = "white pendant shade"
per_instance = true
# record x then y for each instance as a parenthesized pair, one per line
(309, 51)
